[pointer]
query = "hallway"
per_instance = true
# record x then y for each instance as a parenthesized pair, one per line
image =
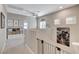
(39, 29)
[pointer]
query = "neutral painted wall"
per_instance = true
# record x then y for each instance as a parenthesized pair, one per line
(3, 31)
(49, 34)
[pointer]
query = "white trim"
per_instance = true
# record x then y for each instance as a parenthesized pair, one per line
(4, 47)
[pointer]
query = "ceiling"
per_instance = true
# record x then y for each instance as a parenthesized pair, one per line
(40, 9)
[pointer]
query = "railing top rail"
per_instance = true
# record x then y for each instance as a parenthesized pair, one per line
(45, 42)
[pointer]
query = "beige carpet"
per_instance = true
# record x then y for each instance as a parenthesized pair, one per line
(21, 49)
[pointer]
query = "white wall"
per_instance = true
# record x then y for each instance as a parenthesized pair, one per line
(3, 31)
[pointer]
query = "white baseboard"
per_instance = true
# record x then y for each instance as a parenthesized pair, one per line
(29, 49)
(3, 48)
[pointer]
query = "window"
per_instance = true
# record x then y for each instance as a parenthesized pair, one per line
(25, 25)
(71, 20)
(42, 24)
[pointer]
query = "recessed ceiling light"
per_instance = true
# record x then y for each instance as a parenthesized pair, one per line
(61, 7)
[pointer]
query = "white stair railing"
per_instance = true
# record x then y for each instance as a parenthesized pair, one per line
(47, 48)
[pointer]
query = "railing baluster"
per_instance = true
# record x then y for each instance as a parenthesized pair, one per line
(42, 46)
(49, 48)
